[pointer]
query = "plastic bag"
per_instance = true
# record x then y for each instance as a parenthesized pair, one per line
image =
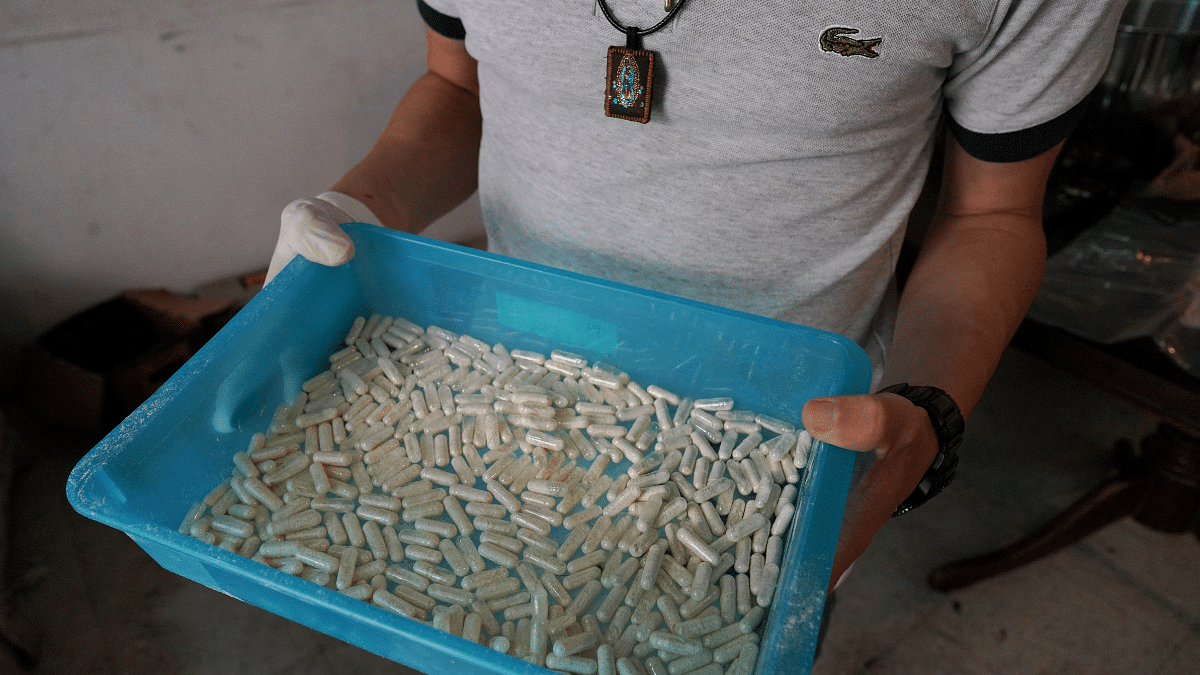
(1129, 276)
(1180, 337)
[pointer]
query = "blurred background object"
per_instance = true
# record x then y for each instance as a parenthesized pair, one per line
(1122, 209)
(1155, 58)
(1144, 117)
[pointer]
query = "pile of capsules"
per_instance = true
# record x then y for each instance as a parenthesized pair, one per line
(548, 508)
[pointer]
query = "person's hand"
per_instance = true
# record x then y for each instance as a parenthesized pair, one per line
(311, 228)
(903, 444)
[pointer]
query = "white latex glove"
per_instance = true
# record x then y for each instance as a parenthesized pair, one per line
(311, 228)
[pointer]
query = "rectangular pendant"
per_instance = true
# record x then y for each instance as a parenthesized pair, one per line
(628, 86)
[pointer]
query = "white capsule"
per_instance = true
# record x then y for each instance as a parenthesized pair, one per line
(543, 544)
(610, 610)
(724, 564)
(642, 543)
(746, 445)
(306, 519)
(700, 581)
(533, 422)
(427, 510)
(474, 409)
(779, 446)
(758, 542)
(603, 378)
(500, 644)
(498, 555)
(317, 559)
(649, 513)
(449, 594)
(547, 487)
(662, 414)
(573, 644)
(543, 510)
(701, 625)
(648, 480)
(716, 526)
(598, 488)
(439, 476)
(623, 572)
(545, 560)
(804, 442)
(514, 607)
(393, 603)
(585, 447)
(696, 545)
(671, 511)
(660, 393)
(606, 431)
(713, 404)
(766, 492)
(651, 565)
(243, 511)
(712, 489)
(434, 573)
(783, 520)
(627, 450)
(709, 427)
(581, 518)
(233, 526)
(615, 532)
(618, 486)
(669, 642)
(700, 472)
(546, 440)
(502, 495)
(622, 502)
(572, 664)
(787, 495)
(791, 475)
(690, 454)
(746, 527)
(757, 562)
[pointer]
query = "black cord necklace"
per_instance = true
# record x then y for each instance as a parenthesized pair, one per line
(631, 69)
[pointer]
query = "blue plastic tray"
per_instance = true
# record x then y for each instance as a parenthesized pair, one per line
(170, 452)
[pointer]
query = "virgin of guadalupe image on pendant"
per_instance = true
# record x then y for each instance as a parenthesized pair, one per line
(628, 88)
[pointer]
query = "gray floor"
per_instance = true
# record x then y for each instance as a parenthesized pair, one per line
(1125, 600)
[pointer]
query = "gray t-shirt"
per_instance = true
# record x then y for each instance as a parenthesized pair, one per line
(775, 176)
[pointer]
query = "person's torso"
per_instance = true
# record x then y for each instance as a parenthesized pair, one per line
(787, 144)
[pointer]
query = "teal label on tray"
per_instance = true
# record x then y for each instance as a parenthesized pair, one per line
(555, 323)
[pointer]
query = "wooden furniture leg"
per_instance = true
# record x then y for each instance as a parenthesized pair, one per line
(1158, 486)
(1160, 490)
(1108, 502)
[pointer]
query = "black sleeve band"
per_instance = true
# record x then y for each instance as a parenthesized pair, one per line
(442, 24)
(1014, 146)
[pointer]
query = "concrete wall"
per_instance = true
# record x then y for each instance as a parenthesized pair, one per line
(153, 143)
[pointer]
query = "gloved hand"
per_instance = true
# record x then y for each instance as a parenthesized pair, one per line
(310, 228)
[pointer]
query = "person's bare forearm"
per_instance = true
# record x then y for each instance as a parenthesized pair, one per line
(426, 161)
(973, 282)
(955, 319)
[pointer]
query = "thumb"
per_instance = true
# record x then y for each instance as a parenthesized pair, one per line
(310, 227)
(860, 422)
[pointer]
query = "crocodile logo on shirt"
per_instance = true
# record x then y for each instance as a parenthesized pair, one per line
(835, 40)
